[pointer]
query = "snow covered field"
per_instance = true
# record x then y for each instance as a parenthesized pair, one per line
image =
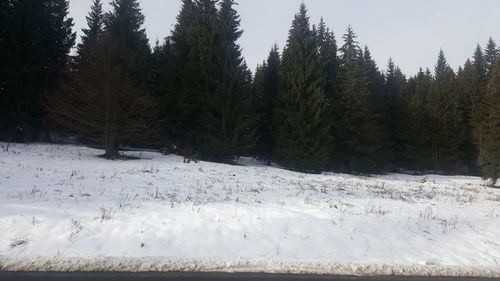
(63, 208)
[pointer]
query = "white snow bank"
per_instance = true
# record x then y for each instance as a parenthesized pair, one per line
(63, 208)
(242, 266)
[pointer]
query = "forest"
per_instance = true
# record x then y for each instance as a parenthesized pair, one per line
(319, 103)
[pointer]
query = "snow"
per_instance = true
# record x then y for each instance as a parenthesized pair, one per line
(64, 208)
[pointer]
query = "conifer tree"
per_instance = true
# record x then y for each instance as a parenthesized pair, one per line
(392, 96)
(375, 77)
(226, 125)
(327, 48)
(102, 100)
(200, 66)
(357, 137)
(266, 90)
(471, 91)
(381, 102)
(445, 112)
(125, 23)
(95, 26)
(491, 53)
(180, 78)
(489, 140)
(35, 43)
(302, 132)
(417, 143)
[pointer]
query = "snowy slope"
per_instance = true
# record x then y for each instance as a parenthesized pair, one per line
(61, 207)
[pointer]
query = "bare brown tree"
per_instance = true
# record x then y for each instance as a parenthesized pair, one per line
(102, 99)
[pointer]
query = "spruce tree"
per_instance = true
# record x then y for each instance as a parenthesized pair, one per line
(491, 53)
(327, 48)
(301, 129)
(226, 126)
(95, 26)
(266, 89)
(489, 140)
(445, 112)
(357, 133)
(395, 83)
(180, 78)
(36, 41)
(417, 143)
(125, 23)
(102, 100)
(471, 90)
(375, 78)
(381, 101)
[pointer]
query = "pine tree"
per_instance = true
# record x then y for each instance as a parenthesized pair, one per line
(302, 132)
(226, 126)
(95, 26)
(36, 41)
(358, 139)
(489, 140)
(266, 90)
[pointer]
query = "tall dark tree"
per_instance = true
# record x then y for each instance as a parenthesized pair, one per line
(327, 47)
(491, 53)
(102, 100)
(471, 90)
(95, 26)
(36, 41)
(417, 153)
(381, 101)
(392, 113)
(266, 90)
(301, 121)
(125, 23)
(445, 112)
(358, 138)
(226, 126)
(179, 76)
(489, 140)
(375, 78)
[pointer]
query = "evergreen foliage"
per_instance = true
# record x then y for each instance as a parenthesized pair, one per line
(102, 100)
(95, 26)
(444, 109)
(36, 39)
(358, 136)
(125, 23)
(491, 53)
(327, 49)
(489, 139)
(226, 127)
(301, 122)
(315, 107)
(266, 90)
(393, 95)
(417, 143)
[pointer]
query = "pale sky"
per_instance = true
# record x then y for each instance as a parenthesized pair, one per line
(409, 31)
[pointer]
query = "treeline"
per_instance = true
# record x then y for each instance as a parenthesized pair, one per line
(320, 104)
